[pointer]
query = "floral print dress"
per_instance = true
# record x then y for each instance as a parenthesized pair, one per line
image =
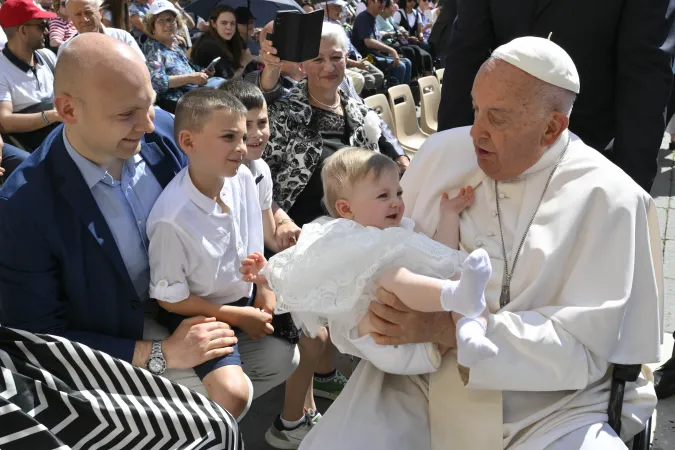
(164, 62)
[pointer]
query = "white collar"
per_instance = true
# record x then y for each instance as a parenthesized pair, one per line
(550, 156)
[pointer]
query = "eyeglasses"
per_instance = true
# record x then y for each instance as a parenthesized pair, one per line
(41, 25)
(167, 21)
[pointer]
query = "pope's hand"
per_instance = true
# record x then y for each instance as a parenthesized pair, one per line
(396, 324)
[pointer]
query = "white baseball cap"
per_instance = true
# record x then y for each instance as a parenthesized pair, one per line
(341, 3)
(159, 6)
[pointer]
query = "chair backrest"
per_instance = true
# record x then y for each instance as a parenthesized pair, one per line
(430, 95)
(380, 105)
(405, 116)
(439, 75)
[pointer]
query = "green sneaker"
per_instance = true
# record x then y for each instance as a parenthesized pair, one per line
(330, 388)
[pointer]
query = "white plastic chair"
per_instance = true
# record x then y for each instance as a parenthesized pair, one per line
(380, 105)
(430, 98)
(439, 75)
(405, 118)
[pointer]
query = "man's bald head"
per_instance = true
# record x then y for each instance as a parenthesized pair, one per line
(103, 93)
(97, 60)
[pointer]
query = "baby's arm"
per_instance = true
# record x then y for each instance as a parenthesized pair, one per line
(448, 225)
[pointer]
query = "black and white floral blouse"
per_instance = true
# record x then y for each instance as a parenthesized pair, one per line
(295, 148)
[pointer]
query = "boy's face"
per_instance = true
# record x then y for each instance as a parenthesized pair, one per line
(220, 147)
(258, 130)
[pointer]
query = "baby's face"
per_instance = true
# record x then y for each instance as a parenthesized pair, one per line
(377, 202)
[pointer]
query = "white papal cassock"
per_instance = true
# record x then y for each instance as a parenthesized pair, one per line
(587, 292)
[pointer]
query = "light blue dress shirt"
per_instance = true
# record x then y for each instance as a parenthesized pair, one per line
(125, 205)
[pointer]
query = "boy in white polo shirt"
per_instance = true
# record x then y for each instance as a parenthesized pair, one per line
(200, 229)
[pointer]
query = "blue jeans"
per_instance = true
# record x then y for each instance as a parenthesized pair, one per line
(402, 72)
(11, 158)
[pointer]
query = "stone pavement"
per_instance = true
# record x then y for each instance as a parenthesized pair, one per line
(265, 409)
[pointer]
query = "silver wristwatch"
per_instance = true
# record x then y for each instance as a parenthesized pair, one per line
(156, 363)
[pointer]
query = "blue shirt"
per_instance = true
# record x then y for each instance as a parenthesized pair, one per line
(125, 206)
(365, 27)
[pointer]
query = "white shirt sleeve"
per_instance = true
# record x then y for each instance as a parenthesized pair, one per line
(107, 15)
(397, 17)
(168, 264)
(5, 92)
(265, 185)
(253, 214)
(534, 341)
(129, 39)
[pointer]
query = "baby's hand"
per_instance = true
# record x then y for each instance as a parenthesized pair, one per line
(457, 204)
(251, 266)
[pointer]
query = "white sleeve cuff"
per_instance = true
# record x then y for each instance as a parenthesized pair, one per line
(171, 293)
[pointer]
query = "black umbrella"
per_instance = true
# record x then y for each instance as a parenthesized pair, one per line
(263, 10)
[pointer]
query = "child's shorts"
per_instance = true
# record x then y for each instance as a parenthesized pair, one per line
(172, 321)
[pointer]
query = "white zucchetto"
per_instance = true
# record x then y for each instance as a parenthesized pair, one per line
(542, 59)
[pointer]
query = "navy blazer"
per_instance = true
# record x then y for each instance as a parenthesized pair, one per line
(60, 270)
(622, 49)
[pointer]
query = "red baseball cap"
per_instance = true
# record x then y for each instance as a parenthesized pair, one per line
(17, 12)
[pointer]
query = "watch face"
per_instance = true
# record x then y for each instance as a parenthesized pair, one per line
(156, 365)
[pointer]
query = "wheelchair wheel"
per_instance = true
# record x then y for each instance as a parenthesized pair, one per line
(641, 440)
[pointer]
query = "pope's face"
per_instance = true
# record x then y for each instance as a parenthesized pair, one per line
(509, 124)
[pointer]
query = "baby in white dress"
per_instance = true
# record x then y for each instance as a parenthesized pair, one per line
(330, 276)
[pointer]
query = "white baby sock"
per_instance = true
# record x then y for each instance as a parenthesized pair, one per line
(472, 344)
(466, 295)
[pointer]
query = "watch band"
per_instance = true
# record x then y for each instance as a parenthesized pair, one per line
(156, 349)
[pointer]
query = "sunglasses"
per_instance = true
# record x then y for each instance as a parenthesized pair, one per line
(42, 25)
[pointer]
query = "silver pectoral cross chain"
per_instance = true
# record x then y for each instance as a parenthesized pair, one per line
(505, 296)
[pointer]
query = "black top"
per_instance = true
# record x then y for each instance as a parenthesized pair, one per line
(622, 50)
(334, 131)
(206, 49)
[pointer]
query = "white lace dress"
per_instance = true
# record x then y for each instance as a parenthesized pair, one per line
(329, 278)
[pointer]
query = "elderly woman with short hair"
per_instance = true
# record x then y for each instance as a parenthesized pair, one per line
(171, 72)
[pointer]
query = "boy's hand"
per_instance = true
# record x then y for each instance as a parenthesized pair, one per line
(255, 323)
(250, 268)
(265, 300)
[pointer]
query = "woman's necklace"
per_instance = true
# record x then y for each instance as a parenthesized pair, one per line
(331, 107)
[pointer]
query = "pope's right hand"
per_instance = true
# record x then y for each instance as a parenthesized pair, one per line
(197, 340)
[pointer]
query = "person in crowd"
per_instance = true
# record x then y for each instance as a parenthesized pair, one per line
(624, 53)
(299, 412)
(307, 6)
(115, 14)
(396, 37)
(249, 35)
(372, 76)
(60, 28)
(73, 220)
(188, 24)
(171, 71)
(361, 5)
(564, 308)
(10, 158)
(137, 11)
(427, 11)
(222, 41)
(86, 17)
(366, 39)
(439, 39)
(409, 19)
(26, 74)
(200, 230)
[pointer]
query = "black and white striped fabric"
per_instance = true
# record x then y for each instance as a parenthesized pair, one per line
(58, 394)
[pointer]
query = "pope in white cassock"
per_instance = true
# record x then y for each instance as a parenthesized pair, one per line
(576, 285)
